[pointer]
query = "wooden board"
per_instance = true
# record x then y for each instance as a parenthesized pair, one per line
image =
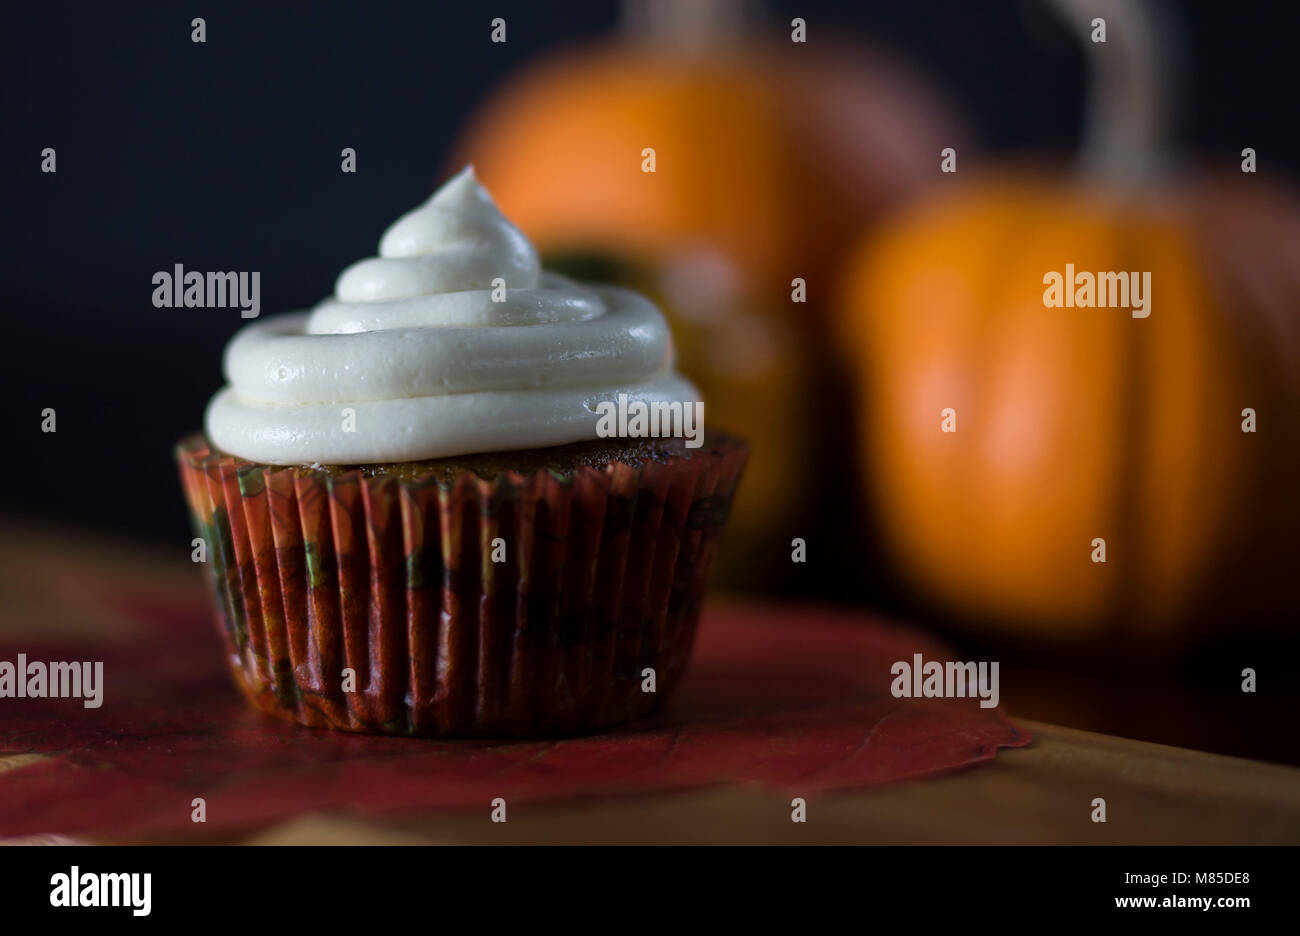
(1039, 794)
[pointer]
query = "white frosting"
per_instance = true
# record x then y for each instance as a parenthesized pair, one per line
(413, 359)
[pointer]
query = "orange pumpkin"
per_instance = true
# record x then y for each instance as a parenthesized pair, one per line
(764, 160)
(1082, 423)
(1074, 425)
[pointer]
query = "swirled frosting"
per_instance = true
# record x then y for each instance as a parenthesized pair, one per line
(452, 341)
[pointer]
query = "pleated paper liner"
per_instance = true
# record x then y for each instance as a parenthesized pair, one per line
(388, 573)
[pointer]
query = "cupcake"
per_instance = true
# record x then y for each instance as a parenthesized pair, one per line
(462, 497)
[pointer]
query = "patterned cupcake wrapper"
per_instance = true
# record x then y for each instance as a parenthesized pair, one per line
(514, 606)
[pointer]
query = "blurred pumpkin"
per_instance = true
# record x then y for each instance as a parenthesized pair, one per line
(767, 156)
(1080, 423)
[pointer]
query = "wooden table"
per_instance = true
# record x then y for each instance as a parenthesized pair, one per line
(1039, 794)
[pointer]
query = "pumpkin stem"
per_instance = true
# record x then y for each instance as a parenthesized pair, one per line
(688, 25)
(1127, 118)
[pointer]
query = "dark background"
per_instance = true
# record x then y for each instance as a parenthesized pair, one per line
(225, 156)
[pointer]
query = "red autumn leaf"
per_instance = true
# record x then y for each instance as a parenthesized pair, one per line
(795, 699)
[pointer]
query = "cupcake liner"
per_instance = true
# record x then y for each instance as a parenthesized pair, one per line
(315, 571)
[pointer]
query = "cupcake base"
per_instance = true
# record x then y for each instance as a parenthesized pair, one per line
(514, 594)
